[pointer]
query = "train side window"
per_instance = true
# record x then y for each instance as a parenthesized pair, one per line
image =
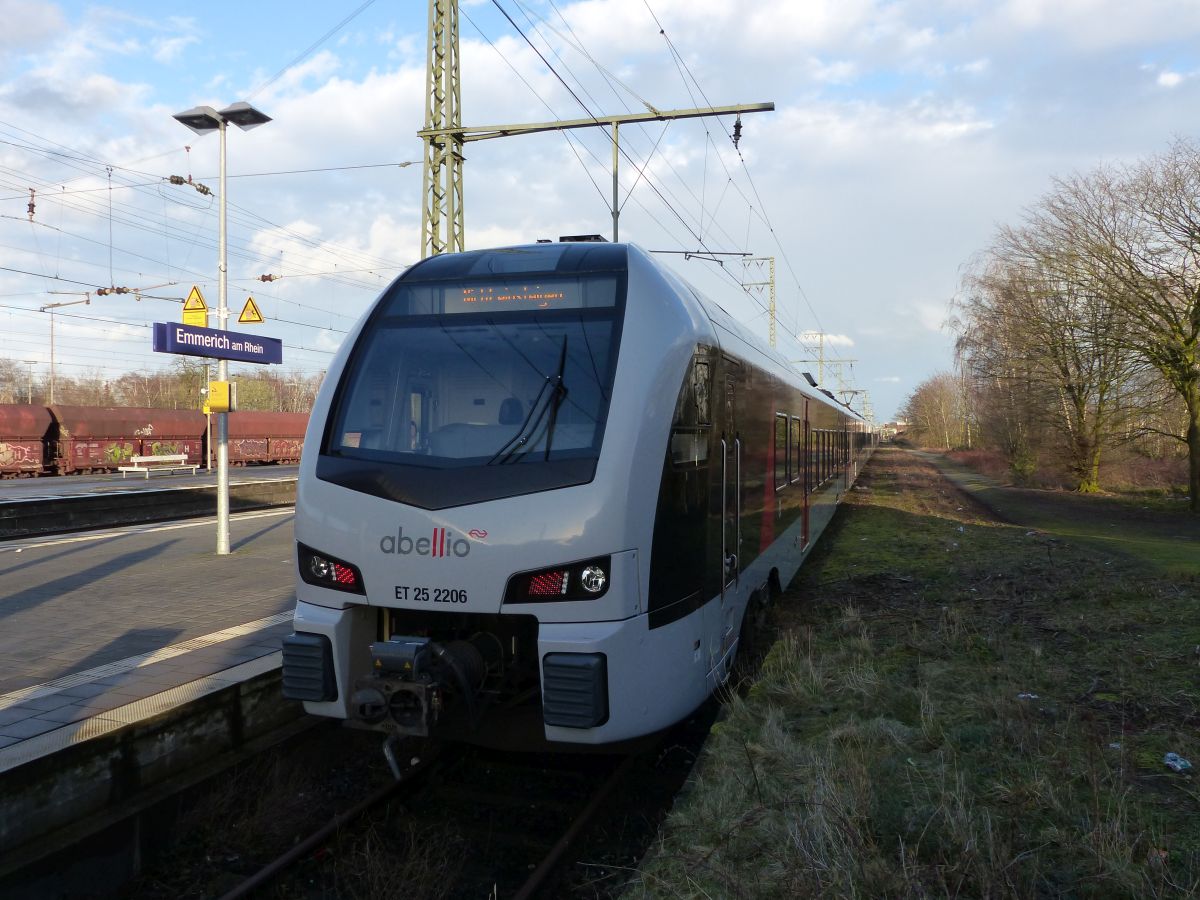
(701, 389)
(689, 447)
(796, 448)
(781, 451)
(692, 427)
(809, 474)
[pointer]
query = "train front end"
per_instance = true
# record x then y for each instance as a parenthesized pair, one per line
(472, 525)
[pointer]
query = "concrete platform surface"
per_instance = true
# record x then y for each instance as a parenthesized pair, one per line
(93, 622)
(58, 487)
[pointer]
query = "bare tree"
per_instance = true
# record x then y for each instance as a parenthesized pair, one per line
(1137, 231)
(1036, 326)
(935, 412)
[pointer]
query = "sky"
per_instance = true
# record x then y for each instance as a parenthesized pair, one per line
(904, 133)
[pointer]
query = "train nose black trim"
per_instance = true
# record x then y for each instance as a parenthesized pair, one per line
(575, 689)
(308, 668)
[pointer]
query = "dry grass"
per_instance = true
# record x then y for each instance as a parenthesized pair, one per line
(938, 719)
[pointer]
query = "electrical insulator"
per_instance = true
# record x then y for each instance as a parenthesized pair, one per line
(31, 206)
(267, 277)
(176, 179)
(737, 131)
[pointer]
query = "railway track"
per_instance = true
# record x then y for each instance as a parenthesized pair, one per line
(515, 816)
(460, 822)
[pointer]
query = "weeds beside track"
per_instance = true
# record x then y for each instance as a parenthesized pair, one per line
(955, 707)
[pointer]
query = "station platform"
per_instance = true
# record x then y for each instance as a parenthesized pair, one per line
(97, 622)
(54, 487)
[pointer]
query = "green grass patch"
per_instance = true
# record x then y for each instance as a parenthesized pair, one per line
(954, 707)
(1160, 532)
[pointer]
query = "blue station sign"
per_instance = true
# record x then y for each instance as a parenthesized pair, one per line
(190, 340)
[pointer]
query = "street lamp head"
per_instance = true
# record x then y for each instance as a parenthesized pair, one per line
(243, 115)
(201, 119)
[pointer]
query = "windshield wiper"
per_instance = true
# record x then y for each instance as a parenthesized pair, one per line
(549, 398)
(558, 395)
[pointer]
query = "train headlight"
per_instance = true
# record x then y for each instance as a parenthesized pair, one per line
(326, 571)
(593, 579)
(586, 580)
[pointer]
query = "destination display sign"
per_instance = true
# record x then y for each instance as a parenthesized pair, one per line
(189, 340)
(513, 294)
(503, 294)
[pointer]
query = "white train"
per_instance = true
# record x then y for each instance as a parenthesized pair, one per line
(540, 488)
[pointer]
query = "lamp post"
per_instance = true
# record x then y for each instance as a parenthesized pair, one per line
(31, 363)
(201, 120)
(50, 308)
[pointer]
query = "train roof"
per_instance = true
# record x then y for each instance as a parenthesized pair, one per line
(559, 259)
(253, 423)
(20, 421)
(132, 421)
(753, 345)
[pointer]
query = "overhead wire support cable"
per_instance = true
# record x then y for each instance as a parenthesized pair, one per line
(442, 141)
(682, 65)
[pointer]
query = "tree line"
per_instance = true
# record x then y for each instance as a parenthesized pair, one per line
(179, 387)
(1078, 329)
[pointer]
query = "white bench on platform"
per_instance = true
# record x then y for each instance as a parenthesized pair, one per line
(167, 462)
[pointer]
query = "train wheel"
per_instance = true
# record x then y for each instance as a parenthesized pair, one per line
(754, 638)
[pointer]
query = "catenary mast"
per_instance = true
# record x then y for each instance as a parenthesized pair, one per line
(444, 134)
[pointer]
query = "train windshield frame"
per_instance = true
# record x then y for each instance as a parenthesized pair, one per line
(469, 389)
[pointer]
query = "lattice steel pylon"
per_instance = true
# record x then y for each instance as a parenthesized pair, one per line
(442, 187)
(769, 283)
(444, 135)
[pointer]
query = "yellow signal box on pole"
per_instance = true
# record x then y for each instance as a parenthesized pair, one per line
(195, 310)
(222, 397)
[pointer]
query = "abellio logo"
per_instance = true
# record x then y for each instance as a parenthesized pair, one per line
(441, 543)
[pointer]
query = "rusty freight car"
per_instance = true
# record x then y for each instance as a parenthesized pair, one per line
(266, 437)
(23, 435)
(99, 439)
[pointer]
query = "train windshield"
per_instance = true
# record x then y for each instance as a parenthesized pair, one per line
(499, 373)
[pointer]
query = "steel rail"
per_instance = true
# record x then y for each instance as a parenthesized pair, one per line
(270, 871)
(552, 859)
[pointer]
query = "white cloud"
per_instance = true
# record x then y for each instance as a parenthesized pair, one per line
(813, 339)
(167, 50)
(863, 128)
(28, 24)
(1100, 24)
(1169, 79)
(931, 314)
(888, 379)
(840, 71)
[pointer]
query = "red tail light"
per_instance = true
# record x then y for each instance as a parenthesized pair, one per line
(344, 575)
(548, 584)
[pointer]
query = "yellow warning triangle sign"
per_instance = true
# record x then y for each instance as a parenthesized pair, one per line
(250, 313)
(195, 311)
(195, 301)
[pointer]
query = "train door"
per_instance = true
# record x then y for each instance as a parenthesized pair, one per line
(731, 493)
(805, 483)
(722, 624)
